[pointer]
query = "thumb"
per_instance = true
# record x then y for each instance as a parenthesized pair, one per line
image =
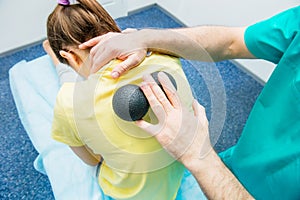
(130, 62)
(90, 43)
(198, 109)
(199, 112)
(146, 126)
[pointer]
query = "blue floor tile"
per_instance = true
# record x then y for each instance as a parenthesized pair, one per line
(18, 178)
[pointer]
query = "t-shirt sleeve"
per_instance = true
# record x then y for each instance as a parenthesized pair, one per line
(63, 125)
(269, 39)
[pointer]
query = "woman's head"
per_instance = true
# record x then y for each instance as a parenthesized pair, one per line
(70, 25)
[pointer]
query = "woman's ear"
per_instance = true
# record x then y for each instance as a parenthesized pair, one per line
(76, 60)
(72, 58)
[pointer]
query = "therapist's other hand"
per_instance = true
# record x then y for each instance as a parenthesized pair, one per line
(184, 134)
(123, 46)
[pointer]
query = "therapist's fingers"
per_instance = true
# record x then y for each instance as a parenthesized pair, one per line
(169, 89)
(99, 59)
(99, 56)
(128, 63)
(108, 47)
(198, 108)
(99, 45)
(199, 112)
(158, 93)
(94, 41)
(155, 104)
(157, 108)
(90, 43)
(146, 126)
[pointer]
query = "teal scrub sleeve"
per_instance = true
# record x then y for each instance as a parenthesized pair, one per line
(269, 39)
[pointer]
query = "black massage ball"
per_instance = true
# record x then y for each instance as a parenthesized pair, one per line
(130, 103)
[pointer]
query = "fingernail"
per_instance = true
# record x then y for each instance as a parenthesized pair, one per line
(143, 85)
(161, 74)
(115, 74)
(146, 77)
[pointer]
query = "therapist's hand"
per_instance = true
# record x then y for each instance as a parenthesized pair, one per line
(123, 46)
(184, 134)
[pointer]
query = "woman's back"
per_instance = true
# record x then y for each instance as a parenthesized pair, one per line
(135, 166)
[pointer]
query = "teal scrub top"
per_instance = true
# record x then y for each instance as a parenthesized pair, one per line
(266, 158)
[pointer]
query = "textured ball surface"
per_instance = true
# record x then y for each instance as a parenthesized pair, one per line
(130, 103)
(155, 77)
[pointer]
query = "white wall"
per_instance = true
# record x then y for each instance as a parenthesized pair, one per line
(224, 12)
(133, 5)
(116, 8)
(24, 22)
(230, 13)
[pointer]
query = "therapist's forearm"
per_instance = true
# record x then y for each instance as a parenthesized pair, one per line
(215, 179)
(196, 43)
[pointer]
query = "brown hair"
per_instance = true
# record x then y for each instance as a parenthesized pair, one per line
(72, 25)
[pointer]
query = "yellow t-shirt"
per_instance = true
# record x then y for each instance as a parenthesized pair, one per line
(135, 165)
